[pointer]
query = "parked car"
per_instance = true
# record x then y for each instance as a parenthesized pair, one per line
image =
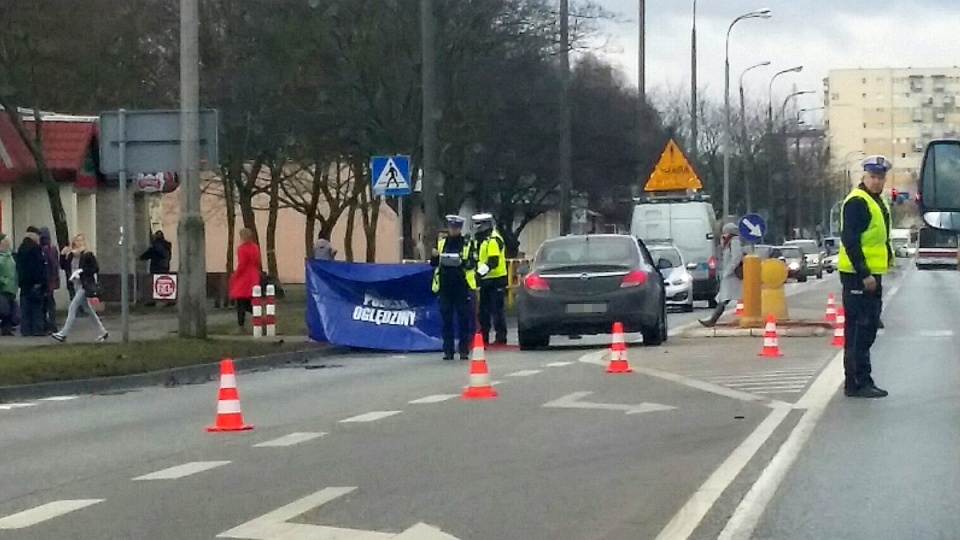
(796, 262)
(812, 253)
(676, 275)
(830, 263)
(582, 285)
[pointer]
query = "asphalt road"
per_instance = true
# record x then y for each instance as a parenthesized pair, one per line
(381, 446)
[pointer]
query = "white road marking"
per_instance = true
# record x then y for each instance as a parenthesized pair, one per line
(748, 513)
(370, 416)
(791, 371)
(275, 525)
(42, 513)
(760, 378)
(12, 406)
(434, 399)
(181, 471)
(60, 398)
(688, 518)
(572, 401)
(559, 364)
(524, 373)
(935, 333)
(290, 440)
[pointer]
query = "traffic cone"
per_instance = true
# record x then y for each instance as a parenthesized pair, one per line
(831, 316)
(771, 346)
(839, 334)
(739, 312)
(618, 352)
(480, 387)
(229, 417)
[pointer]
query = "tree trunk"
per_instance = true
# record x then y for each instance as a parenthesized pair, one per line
(230, 201)
(276, 176)
(370, 214)
(246, 191)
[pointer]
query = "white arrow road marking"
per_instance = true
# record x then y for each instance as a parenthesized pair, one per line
(572, 402)
(44, 512)
(274, 525)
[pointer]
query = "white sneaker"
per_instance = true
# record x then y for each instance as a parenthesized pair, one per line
(59, 337)
(103, 337)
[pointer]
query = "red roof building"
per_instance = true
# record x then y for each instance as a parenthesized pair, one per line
(69, 146)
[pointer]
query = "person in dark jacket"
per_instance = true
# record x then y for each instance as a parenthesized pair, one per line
(51, 258)
(32, 277)
(158, 254)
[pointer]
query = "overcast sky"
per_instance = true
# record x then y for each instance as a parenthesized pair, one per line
(819, 34)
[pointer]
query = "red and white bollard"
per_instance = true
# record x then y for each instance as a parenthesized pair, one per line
(270, 320)
(257, 312)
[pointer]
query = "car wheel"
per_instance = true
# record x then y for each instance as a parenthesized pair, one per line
(802, 278)
(688, 308)
(532, 340)
(658, 334)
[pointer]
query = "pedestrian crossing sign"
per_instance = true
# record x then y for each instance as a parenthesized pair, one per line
(391, 175)
(673, 172)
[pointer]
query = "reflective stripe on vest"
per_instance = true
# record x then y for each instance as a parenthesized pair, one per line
(501, 268)
(873, 241)
(471, 275)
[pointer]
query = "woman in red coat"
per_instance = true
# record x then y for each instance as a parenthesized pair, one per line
(246, 276)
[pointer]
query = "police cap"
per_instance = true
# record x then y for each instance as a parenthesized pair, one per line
(482, 218)
(454, 221)
(878, 165)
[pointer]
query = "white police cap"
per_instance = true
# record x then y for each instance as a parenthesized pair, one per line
(877, 165)
(454, 220)
(482, 218)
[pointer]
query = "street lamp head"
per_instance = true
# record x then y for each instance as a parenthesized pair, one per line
(764, 13)
(797, 69)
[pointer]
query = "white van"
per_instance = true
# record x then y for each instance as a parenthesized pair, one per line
(688, 223)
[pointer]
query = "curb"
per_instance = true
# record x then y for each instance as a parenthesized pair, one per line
(755, 332)
(198, 374)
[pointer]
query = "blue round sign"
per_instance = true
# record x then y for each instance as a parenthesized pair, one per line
(752, 228)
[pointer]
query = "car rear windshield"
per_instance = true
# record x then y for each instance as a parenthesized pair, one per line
(791, 252)
(669, 254)
(596, 252)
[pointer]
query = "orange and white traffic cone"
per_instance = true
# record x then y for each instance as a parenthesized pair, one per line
(831, 316)
(739, 312)
(480, 387)
(771, 345)
(839, 333)
(229, 417)
(618, 352)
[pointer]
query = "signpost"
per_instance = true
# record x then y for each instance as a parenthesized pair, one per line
(165, 287)
(752, 228)
(142, 142)
(391, 178)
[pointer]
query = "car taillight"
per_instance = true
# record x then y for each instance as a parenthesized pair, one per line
(712, 264)
(534, 282)
(634, 279)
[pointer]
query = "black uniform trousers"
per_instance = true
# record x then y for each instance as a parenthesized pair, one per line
(862, 312)
(492, 305)
(455, 305)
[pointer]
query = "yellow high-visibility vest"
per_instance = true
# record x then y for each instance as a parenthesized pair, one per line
(874, 241)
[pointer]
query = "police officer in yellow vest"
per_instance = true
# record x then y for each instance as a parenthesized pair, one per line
(865, 256)
(454, 280)
(492, 269)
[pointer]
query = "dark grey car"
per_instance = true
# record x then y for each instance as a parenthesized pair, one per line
(582, 285)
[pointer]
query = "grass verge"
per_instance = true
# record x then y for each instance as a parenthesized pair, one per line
(30, 365)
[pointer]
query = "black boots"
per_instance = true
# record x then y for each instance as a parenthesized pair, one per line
(715, 316)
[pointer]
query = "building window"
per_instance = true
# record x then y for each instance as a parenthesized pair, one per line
(834, 97)
(864, 125)
(864, 80)
(864, 96)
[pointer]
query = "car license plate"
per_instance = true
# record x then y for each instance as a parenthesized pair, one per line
(586, 308)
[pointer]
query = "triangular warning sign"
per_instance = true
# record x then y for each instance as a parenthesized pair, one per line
(391, 178)
(673, 172)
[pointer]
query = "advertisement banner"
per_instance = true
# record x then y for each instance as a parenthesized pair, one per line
(385, 307)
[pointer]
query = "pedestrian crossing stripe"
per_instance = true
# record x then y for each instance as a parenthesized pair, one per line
(392, 175)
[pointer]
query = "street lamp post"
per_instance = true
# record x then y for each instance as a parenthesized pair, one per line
(762, 14)
(694, 127)
(796, 69)
(771, 137)
(799, 183)
(743, 136)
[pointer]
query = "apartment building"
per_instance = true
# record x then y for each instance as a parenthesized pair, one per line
(893, 112)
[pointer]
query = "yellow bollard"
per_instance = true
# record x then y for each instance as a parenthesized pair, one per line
(752, 312)
(773, 298)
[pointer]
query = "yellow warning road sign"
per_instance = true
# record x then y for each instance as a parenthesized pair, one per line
(673, 172)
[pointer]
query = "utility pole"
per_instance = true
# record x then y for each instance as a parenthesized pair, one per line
(566, 121)
(642, 54)
(432, 181)
(192, 274)
(694, 127)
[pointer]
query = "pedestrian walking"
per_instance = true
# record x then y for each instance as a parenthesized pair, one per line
(32, 278)
(492, 269)
(84, 270)
(731, 276)
(246, 276)
(323, 249)
(454, 280)
(51, 259)
(159, 254)
(8, 287)
(866, 255)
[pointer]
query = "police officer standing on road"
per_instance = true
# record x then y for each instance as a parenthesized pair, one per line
(492, 268)
(454, 281)
(865, 256)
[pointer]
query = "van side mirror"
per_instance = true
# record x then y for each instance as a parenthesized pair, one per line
(939, 186)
